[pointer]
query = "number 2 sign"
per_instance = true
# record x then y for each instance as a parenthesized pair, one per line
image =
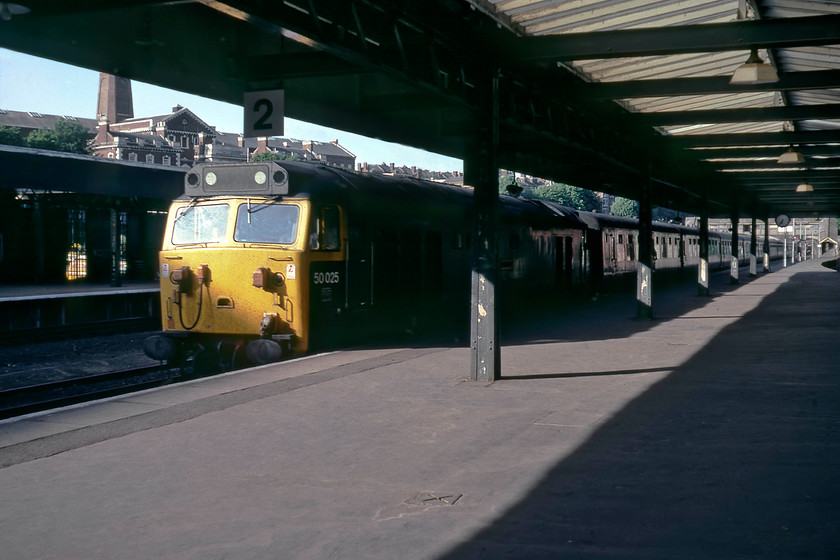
(263, 113)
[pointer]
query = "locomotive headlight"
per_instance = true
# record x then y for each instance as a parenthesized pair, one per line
(183, 278)
(267, 280)
(203, 274)
(260, 277)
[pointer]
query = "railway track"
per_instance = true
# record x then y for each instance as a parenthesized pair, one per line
(75, 331)
(17, 401)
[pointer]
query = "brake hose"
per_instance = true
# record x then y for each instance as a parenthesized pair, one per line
(198, 315)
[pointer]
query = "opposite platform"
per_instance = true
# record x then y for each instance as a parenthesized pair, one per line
(711, 432)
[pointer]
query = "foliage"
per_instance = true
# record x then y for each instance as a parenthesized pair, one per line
(265, 156)
(273, 155)
(11, 136)
(576, 197)
(66, 136)
(665, 215)
(625, 207)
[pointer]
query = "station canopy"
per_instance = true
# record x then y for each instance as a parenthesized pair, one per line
(610, 95)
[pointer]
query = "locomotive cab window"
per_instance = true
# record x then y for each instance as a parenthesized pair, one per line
(267, 223)
(324, 230)
(200, 224)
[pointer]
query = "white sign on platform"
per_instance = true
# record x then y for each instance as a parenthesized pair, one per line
(643, 285)
(263, 113)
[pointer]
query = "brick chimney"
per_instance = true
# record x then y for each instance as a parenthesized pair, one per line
(115, 103)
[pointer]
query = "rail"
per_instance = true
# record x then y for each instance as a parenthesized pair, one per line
(17, 401)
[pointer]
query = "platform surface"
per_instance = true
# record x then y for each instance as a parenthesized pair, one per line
(30, 292)
(710, 432)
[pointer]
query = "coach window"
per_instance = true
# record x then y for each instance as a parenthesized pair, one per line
(324, 230)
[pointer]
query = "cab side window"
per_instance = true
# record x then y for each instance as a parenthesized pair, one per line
(324, 229)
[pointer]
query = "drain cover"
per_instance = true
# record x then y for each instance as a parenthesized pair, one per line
(434, 499)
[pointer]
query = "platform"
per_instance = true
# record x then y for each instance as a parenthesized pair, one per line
(31, 312)
(710, 432)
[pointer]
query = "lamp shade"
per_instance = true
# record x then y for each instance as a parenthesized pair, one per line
(791, 156)
(805, 186)
(754, 71)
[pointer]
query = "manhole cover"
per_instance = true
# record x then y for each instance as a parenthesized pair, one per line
(434, 499)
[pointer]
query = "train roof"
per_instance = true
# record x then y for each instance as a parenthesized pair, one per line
(404, 195)
(413, 197)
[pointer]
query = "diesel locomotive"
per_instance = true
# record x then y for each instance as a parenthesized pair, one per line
(266, 260)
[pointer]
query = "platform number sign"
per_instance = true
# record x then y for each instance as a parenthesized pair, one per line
(264, 113)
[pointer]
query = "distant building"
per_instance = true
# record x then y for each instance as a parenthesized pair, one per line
(182, 138)
(176, 138)
(30, 121)
(391, 170)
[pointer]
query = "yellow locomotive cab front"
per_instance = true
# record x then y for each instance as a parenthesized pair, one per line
(232, 268)
(229, 272)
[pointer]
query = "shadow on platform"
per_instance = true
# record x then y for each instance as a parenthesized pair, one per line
(735, 454)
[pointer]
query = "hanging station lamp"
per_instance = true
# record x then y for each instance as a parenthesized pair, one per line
(754, 71)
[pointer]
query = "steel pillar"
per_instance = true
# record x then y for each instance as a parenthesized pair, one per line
(733, 259)
(753, 249)
(481, 170)
(644, 272)
(116, 249)
(703, 266)
(40, 247)
(766, 250)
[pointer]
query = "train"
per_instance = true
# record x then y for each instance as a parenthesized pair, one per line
(266, 260)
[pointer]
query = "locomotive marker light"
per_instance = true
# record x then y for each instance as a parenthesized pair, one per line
(258, 179)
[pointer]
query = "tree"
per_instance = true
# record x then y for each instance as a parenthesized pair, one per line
(271, 155)
(265, 156)
(625, 207)
(65, 136)
(576, 197)
(11, 136)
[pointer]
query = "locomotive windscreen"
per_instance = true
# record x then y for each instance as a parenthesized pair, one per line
(264, 178)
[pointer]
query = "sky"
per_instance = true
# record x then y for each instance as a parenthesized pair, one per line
(28, 83)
